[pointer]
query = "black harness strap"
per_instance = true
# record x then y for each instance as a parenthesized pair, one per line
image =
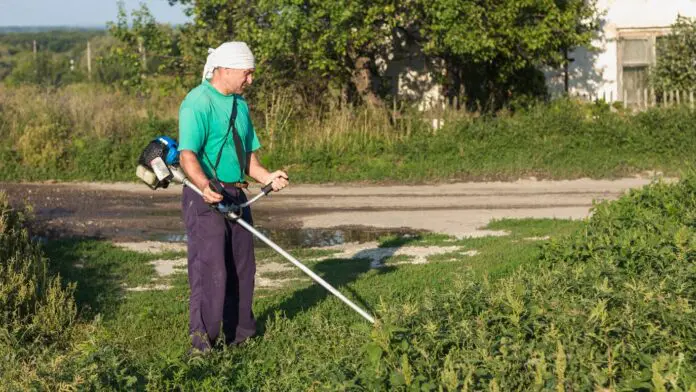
(238, 146)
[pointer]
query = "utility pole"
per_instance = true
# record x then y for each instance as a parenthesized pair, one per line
(89, 61)
(36, 60)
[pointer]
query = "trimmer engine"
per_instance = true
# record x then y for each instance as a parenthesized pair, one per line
(154, 162)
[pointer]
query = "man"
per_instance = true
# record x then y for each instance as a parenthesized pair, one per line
(221, 264)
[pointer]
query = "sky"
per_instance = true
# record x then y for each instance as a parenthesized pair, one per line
(83, 13)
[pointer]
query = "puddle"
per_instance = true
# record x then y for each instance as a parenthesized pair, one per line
(310, 238)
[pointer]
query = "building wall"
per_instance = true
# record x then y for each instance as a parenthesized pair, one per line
(410, 74)
(596, 74)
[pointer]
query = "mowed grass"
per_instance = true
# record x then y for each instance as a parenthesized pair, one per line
(307, 338)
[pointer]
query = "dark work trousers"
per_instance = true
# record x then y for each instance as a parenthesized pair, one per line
(221, 268)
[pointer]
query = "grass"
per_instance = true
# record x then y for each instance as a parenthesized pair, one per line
(102, 271)
(87, 132)
(607, 307)
(307, 338)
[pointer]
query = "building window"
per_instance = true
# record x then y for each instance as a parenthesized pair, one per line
(636, 60)
(637, 53)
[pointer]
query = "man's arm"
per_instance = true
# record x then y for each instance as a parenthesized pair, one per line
(278, 179)
(194, 172)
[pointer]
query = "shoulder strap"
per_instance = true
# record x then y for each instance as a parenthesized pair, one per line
(238, 146)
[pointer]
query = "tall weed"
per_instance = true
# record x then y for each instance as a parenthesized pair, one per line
(90, 132)
(34, 306)
(610, 307)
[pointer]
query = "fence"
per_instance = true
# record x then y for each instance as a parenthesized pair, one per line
(649, 98)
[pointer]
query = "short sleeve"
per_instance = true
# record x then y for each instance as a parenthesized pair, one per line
(252, 141)
(192, 129)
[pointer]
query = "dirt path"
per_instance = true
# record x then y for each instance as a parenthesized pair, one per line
(132, 212)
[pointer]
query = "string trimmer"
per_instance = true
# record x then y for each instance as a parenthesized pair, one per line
(158, 166)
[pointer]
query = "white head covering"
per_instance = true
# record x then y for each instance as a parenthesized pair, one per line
(236, 55)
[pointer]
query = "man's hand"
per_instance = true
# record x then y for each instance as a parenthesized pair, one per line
(210, 196)
(278, 180)
(192, 168)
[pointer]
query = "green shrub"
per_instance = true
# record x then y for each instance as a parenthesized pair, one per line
(88, 132)
(610, 307)
(42, 145)
(34, 306)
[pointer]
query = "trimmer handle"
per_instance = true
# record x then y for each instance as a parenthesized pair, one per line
(269, 187)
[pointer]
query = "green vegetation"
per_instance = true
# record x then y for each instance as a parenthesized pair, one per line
(108, 351)
(86, 132)
(327, 51)
(676, 54)
(484, 52)
(51, 66)
(604, 304)
(35, 309)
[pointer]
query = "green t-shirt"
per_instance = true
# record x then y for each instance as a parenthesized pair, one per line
(204, 117)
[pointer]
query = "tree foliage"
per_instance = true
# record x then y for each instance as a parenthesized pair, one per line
(488, 51)
(44, 68)
(676, 59)
(145, 48)
(495, 46)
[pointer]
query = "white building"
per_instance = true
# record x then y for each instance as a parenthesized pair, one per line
(626, 49)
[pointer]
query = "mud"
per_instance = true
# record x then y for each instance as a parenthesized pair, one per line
(131, 212)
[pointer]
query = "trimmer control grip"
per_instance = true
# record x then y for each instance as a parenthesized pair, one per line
(267, 189)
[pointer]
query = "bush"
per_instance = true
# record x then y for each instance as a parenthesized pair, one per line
(611, 307)
(34, 306)
(86, 132)
(42, 145)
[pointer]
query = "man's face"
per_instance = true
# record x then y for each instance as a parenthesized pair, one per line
(237, 80)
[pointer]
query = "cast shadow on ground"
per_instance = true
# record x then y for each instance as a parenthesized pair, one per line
(339, 273)
(98, 286)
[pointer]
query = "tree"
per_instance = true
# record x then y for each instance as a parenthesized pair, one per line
(493, 47)
(676, 58)
(496, 47)
(44, 68)
(316, 44)
(146, 48)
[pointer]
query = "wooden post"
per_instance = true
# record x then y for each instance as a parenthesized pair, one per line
(678, 93)
(653, 98)
(89, 61)
(691, 98)
(36, 62)
(143, 55)
(646, 97)
(625, 99)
